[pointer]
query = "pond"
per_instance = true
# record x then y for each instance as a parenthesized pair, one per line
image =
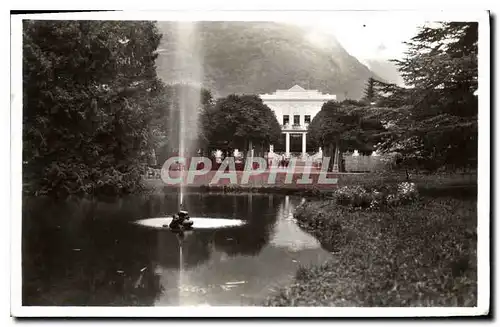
(83, 252)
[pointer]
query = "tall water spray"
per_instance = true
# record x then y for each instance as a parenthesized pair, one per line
(188, 70)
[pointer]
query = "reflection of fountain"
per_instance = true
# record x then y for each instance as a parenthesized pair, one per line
(180, 238)
(172, 266)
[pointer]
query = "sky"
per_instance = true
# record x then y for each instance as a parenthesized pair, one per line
(369, 38)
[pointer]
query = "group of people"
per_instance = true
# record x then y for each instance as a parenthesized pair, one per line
(284, 161)
(279, 160)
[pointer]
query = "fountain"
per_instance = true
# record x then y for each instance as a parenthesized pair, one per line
(183, 125)
(188, 64)
(183, 118)
(180, 222)
(198, 223)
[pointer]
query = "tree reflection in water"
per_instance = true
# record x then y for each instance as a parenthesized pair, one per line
(249, 239)
(86, 252)
(72, 255)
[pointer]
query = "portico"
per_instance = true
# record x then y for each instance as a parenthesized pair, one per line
(291, 135)
(295, 108)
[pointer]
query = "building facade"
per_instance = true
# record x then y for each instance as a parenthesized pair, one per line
(295, 108)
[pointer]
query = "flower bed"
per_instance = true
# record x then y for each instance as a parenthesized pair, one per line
(389, 195)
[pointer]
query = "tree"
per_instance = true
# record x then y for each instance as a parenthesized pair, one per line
(391, 95)
(88, 92)
(439, 141)
(438, 127)
(441, 68)
(339, 128)
(370, 90)
(238, 122)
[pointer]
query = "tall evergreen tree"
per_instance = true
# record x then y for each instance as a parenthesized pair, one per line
(440, 127)
(392, 95)
(441, 68)
(370, 90)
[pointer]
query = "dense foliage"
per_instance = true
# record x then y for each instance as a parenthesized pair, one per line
(387, 94)
(236, 121)
(439, 129)
(339, 127)
(374, 198)
(441, 68)
(88, 92)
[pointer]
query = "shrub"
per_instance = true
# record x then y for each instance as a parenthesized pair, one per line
(360, 197)
(355, 196)
(303, 273)
(407, 191)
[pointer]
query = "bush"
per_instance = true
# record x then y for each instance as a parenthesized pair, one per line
(377, 197)
(303, 273)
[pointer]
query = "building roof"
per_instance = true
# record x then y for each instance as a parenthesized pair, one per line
(297, 92)
(296, 88)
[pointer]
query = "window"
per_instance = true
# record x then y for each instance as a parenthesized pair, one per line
(286, 119)
(307, 119)
(296, 120)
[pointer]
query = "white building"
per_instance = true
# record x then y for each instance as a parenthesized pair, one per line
(295, 108)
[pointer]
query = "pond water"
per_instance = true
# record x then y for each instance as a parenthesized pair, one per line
(87, 252)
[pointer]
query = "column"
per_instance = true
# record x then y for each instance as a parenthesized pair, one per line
(250, 149)
(270, 156)
(304, 146)
(336, 160)
(287, 143)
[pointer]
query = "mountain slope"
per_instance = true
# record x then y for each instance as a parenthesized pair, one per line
(259, 57)
(386, 70)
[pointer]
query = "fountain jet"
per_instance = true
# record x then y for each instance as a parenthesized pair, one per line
(188, 75)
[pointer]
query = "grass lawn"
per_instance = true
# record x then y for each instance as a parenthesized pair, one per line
(418, 254)
(424, 182)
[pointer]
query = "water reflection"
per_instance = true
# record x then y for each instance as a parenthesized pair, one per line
(84, 252)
